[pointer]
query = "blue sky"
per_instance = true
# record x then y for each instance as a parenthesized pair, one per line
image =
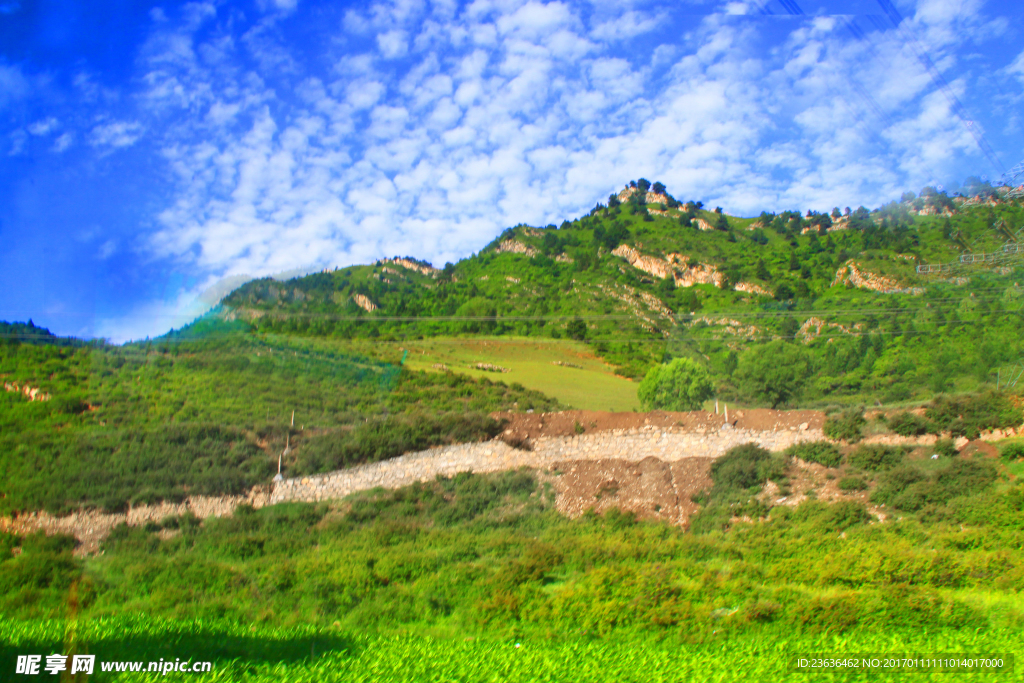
(152, 151)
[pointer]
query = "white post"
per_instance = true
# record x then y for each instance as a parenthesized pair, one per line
(726, 412)
(293, 418)
(716, 406)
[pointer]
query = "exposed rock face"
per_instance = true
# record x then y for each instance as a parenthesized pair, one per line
(813, 326)
(752, 288)
(850, 272)
(563, 258)
(364, 303)
(730, 326)
(675, 265)
(515, 247)
(649, 264)
(32, 393)
(649, 198)
(411, 265)
(703, 224)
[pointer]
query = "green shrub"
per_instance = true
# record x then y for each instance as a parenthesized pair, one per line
(746, 466)
(969, 415)
(909, 424)
(875, 457)
(852, 484)
(945, 447)
(846, 426)
(1012, 451)
(682, 384)
(821, 452)
(907, 488)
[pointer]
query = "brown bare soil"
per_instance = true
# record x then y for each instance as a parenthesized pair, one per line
(570, 422)
(652, 489)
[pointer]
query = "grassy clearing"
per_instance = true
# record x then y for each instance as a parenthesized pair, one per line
(532, 363)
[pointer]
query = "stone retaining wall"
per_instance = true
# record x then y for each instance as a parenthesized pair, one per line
(494, 456)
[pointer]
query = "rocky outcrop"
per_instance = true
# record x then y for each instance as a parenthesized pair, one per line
(813, 327)
(649, 198)
(702, 224)
(364, 303)
(31, 393)
(752, 288)
(515, 247)
(850, 272)
(730, 326)
(673, 265)
(411, 265)
(649, 264)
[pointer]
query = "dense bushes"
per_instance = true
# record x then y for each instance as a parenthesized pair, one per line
(746, 466)
(821, 452)
(150, 422)
(737, 475)
(969, 415)
(1013, 451)
(487, 555)
(390, 437)
(112, 468)
(845, 426)
(875, 457)
(908, 424)
(907, 488)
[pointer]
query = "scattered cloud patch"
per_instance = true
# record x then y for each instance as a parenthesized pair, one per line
(43, 127)
(116, 134)
(62, 143)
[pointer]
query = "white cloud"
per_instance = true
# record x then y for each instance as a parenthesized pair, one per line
(63, 142)
(393, 44)
(116, 134)
(43, 126)
(1016, 67)
(13, 84)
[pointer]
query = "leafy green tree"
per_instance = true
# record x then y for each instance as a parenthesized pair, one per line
(643, 185)
(658, 188)
(477, 307)
(682, 384)
(577, 329)
(774, 373)
(762, 271)
(783, 292)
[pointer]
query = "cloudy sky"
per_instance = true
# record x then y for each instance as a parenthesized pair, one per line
(149, 151)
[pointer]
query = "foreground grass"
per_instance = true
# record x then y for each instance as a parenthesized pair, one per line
(299, 654)
(440, 581)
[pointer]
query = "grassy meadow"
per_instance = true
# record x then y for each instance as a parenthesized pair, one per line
(566, 370)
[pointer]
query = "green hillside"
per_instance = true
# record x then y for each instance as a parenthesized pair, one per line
(877, 332)
(480, 577)
(379, 359)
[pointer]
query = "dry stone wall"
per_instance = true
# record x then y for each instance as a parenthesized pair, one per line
(494, 456)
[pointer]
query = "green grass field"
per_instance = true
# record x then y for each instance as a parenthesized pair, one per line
(532, 363)
(299, 654)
